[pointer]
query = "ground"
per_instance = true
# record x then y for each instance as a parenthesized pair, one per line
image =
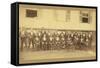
(28, 56)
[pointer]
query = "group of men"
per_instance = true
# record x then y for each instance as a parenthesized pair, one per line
(54, 40)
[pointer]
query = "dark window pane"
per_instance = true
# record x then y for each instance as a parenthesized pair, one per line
(85, 20)
(31, 13)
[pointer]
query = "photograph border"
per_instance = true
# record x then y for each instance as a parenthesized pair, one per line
(15, 32)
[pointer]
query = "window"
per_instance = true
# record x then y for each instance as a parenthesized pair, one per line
(67, 15)
(85, 16)
(62, 15)
(31, 13)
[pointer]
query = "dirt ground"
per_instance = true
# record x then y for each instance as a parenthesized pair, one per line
(28, 56)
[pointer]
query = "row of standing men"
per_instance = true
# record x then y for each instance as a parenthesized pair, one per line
(57, 40)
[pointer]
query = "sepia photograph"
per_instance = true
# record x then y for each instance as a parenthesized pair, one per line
(50, 33)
